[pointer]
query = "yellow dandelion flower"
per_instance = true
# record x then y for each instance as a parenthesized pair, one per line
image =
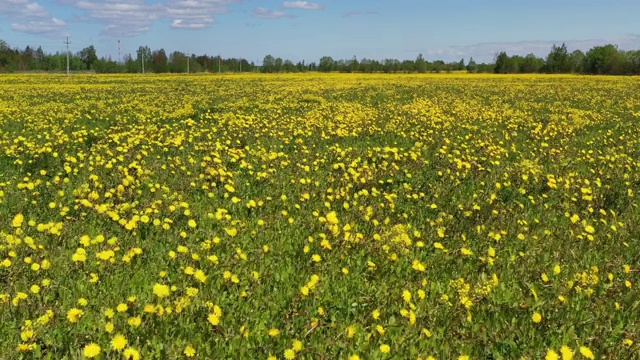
(332, 218)
(119, 342)
(108, 327)
(289, 354)
(566, 352)
(551, 355)
(586, 352)
(297, 345)
(213, 319)
(74, 315)
(17, 221)
(161, 290)
(131, 354)
(536, 317)
(92, 350)
(189, 351)
(406, 296)
(135, 321)
(375, 314)
(351, 331)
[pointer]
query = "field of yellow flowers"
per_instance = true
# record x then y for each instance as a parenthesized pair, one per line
(319, 217)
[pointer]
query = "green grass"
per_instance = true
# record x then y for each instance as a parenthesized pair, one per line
(417, 160)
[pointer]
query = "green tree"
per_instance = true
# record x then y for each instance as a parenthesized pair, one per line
(558, 60)
(160, 61)
(144, 52)
(88, 56)
(634, 60)
(531, 64)
(601, 59)
(268, 63)
(420, 65)
(4, 53)
(326, 64)
(577, 59)
(472, 67)
(502, 63)
(277, 64)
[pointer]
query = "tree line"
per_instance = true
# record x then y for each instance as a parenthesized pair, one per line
(599, 60)
(604, 60)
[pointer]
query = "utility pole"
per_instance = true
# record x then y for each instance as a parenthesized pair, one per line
(240, 64)
(67, 42)
(187, 63)
(119, 57)
(142, 60)
(219, 58)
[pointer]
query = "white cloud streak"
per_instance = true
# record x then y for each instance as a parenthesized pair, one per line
(195, 14)
(303, 5)
(132, 17)
(120, 17)
(359, 12)
(265, 13)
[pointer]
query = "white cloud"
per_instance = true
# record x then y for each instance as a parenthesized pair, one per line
(195, 14)
(182, 24)
(357, 13)
(304, 5)
(270, 14)
(30, 17)
(132, 17)
(45, 26)
(120, 17)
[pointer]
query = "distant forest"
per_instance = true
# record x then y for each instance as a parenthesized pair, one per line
(602, 60)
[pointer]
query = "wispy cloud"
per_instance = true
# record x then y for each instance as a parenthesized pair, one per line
(195, 14)
(31, 17)
(265, 13)
(304, 5)
(182, 24)
(120, 17)
(358, 12)
(132, 17)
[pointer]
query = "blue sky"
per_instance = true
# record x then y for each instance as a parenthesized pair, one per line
(307, 30)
